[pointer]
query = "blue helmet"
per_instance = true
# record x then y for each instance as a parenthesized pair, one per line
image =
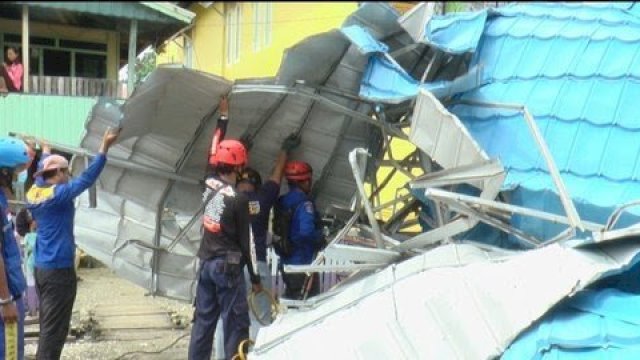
(13, 152)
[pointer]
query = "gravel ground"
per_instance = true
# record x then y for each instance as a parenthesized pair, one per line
(99, 287)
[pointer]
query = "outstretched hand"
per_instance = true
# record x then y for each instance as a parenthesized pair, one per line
(109, 138)
(44, 146)
(291, 142)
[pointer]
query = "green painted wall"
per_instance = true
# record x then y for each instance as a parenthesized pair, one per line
(58, 119)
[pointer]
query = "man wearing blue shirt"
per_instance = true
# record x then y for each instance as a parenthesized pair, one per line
(52, 207)
(14, 157)
(305, 231)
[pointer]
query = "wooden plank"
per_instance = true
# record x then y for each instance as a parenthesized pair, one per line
(131, 312)
(134, 322)
(138, 334)
(128, 306)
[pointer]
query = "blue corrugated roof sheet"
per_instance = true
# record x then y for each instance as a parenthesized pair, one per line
(456, 32)
(576, 68)
(602, 324)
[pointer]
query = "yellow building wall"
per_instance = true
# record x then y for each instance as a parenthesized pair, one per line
(110, 38)
(291, 22)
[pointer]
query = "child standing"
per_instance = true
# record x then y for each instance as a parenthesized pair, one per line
(26, 228)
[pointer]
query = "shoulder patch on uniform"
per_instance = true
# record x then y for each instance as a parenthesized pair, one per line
(308, 207)
(254, 207)
(37, 195)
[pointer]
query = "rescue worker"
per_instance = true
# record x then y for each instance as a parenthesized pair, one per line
(305, 231)
(52, 207)
(224, 250)
(14, 157)
(262, 197)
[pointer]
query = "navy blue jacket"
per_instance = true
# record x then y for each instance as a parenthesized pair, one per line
(305, 233)
(10, 252)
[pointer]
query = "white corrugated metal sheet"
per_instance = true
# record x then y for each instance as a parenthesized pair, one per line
(453, 302)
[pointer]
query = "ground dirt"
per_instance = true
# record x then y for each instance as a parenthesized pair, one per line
(127, 322)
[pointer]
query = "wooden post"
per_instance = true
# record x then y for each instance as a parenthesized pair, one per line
(131, 61)
(25, 48)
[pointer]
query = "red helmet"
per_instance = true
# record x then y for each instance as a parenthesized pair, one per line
(230, 152)
(298, 171)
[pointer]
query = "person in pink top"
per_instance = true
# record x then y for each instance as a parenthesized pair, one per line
(11, 72)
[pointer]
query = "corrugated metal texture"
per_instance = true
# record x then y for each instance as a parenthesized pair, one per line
(162, 118)
(575, 67)
(327, 134)
(57, 118)
(453, 302)
(601, 324)
(121, 9)
(442, 136)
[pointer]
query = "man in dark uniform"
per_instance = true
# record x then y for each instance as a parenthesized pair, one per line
(305, 231)
(261, 199)
(225, 249)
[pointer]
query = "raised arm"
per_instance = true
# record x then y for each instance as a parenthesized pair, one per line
(290, 142)
(89, 176)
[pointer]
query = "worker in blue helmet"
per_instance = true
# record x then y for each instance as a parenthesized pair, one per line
(14, 157)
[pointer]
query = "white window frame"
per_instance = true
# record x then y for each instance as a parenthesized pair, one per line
(234, 32)
(262, 25)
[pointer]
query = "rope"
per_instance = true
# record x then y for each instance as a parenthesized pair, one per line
(254, 311)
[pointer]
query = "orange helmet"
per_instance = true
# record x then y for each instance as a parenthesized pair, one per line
(230, 152)
(297, 171)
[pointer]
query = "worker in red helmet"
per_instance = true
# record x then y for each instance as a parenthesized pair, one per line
(262, 197)
(224, 251)
(305, 231)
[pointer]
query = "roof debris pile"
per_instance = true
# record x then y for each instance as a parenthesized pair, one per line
(522, 121)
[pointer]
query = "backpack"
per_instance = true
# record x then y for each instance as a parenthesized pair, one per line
(281, 226)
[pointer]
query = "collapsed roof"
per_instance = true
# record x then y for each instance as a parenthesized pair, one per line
(503, 106)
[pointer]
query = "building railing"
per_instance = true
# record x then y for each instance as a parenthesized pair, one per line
(77, 86)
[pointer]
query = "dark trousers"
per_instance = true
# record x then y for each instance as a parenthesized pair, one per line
(219, 294)
(57, 291)
(294, 282)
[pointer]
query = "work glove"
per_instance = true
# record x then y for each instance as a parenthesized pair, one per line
(291, 142)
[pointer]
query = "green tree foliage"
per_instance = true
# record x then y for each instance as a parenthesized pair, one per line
(145, 66)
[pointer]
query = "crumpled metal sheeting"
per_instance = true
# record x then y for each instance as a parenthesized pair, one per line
(486, 293)
(194, 90)
(442, 136)
(318, 137)
(313, 59)
(102, 230)
(326, 59)
(169, 109)
(381, 21)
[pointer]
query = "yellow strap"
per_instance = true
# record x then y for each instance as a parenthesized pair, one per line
(11, 341)
(272, 300)
(241, 355)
